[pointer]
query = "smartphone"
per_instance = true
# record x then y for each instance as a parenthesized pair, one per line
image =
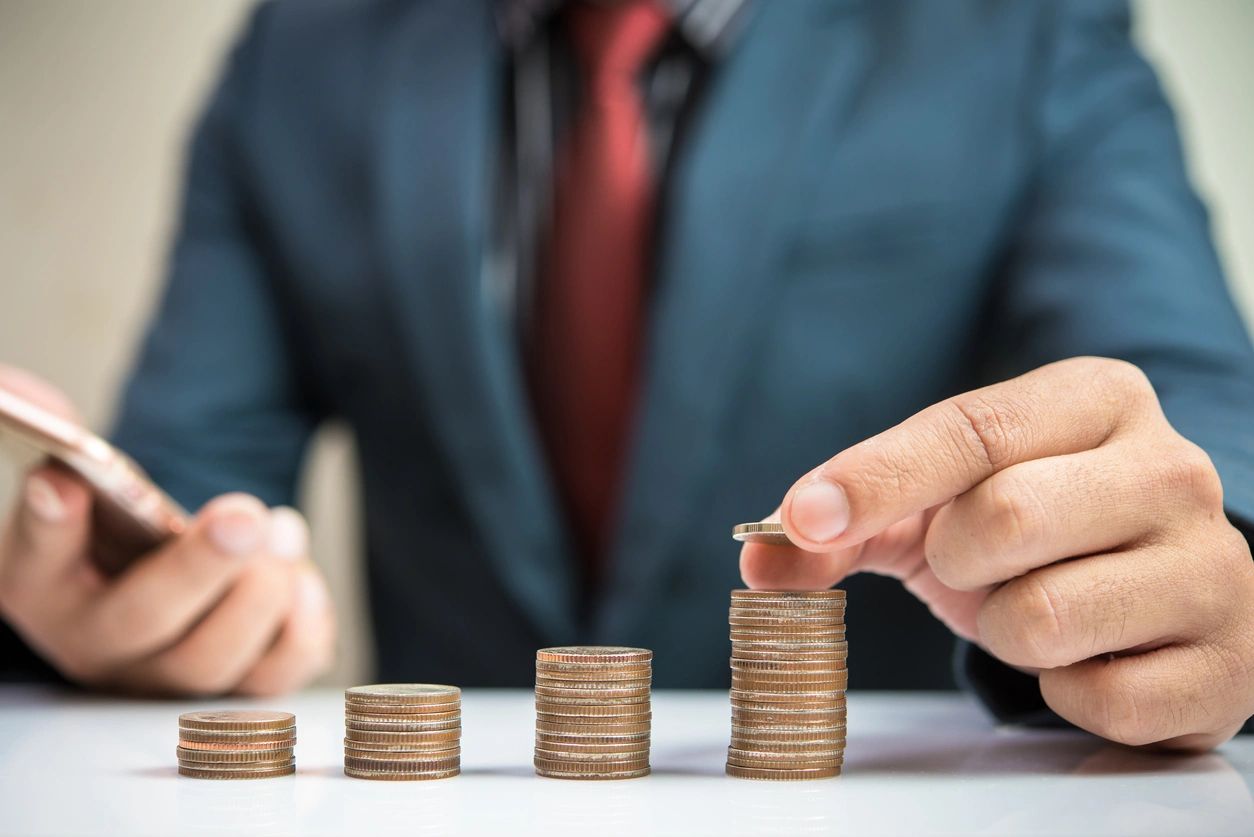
(131, 516)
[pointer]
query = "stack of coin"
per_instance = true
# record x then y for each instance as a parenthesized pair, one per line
(593, 712)
(243, 744)
(788, 684)
(402, 731)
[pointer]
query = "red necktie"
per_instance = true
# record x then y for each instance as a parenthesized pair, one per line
(590, 312)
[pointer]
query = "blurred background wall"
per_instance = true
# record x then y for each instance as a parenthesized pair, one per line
(95, 101)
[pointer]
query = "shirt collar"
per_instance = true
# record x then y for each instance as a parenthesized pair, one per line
(707, 25)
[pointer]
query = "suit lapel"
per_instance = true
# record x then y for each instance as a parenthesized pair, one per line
(441, 100)
(738, 178)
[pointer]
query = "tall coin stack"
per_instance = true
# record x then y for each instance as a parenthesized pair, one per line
(788, 684)
(243, 744)
(593, 712)
(402, 731)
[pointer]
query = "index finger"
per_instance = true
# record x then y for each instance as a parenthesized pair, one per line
(950, 447)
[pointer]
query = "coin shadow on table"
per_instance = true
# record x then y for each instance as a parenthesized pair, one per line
(1016, 753)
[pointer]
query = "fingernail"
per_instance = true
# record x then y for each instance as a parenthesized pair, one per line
(313, 593)
(235, 528)
(820, 511)
(289, 536)
(43, 500)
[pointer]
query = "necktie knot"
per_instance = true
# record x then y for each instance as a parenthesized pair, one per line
(614, 40)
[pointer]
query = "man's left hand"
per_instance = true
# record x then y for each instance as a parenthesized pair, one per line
(1058, 521)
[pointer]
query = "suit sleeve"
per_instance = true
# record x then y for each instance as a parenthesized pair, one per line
(1113, 257)
(217, 400)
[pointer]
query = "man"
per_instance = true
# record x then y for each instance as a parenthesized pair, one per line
(594, 282)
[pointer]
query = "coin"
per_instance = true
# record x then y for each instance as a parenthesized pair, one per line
(446, 747)
(594, 654)
(198, 773)
(783, 775)
(592, 729)
(640, 748)
(641, 733)
(237, 719)
(568, 766)
(788, 595)
(236, 748)
(403, 738)
(402, 731)
(237, 738)
(400, 776)
(615, 774)
(591, 756)
(772, 533)
(401, 765)
(233, 756)
(403, 693)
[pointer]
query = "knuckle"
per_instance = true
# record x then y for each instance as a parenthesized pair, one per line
(1122, 716)
(1013, 518)
(1030, 624)
(1120, 376)
(1192, 473)
(992, 428)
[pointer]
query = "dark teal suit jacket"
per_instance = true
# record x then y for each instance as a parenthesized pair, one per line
(878, 205)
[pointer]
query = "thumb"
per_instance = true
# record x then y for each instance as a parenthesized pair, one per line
(897, 552)
(894, 552)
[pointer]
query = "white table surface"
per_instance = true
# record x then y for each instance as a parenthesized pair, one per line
(917, 764)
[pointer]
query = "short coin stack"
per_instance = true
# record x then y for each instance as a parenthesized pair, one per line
(402, 731)
(593, 712)
(788, 684)
(242, 744)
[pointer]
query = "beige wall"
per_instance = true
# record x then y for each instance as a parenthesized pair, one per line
(94, 103)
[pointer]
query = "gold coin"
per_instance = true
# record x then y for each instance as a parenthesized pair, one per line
(801, 705)
(240, 738)
(771, 677)
(788, 595)
(424, 747)
(401, 765)
(593, 729)
(417, 711)
(555, 766)
(772, 533)
(610, 710)
(761, 684)
(782, 775)
(573, 677)
(594, 654)
(808, 700)
(789, 633)
(574, 749)
(594, 670)
(811, 752)
(420, 756)
(237, 719)
(613, 686)
(359, 736)
(791, 666)
(252, 747)
(591, 756)
(199, 773)
(780, 721)
(635, 739)
(405, 723)
(787, 764)
(233, 756)
(618, 774)
(835, 652)
(783, 623)
(556, 712)
(598, 723)
(594, 701)
(398, 776)
(592, 693)
(403, 693)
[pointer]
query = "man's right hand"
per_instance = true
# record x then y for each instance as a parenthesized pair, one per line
(232, 605)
